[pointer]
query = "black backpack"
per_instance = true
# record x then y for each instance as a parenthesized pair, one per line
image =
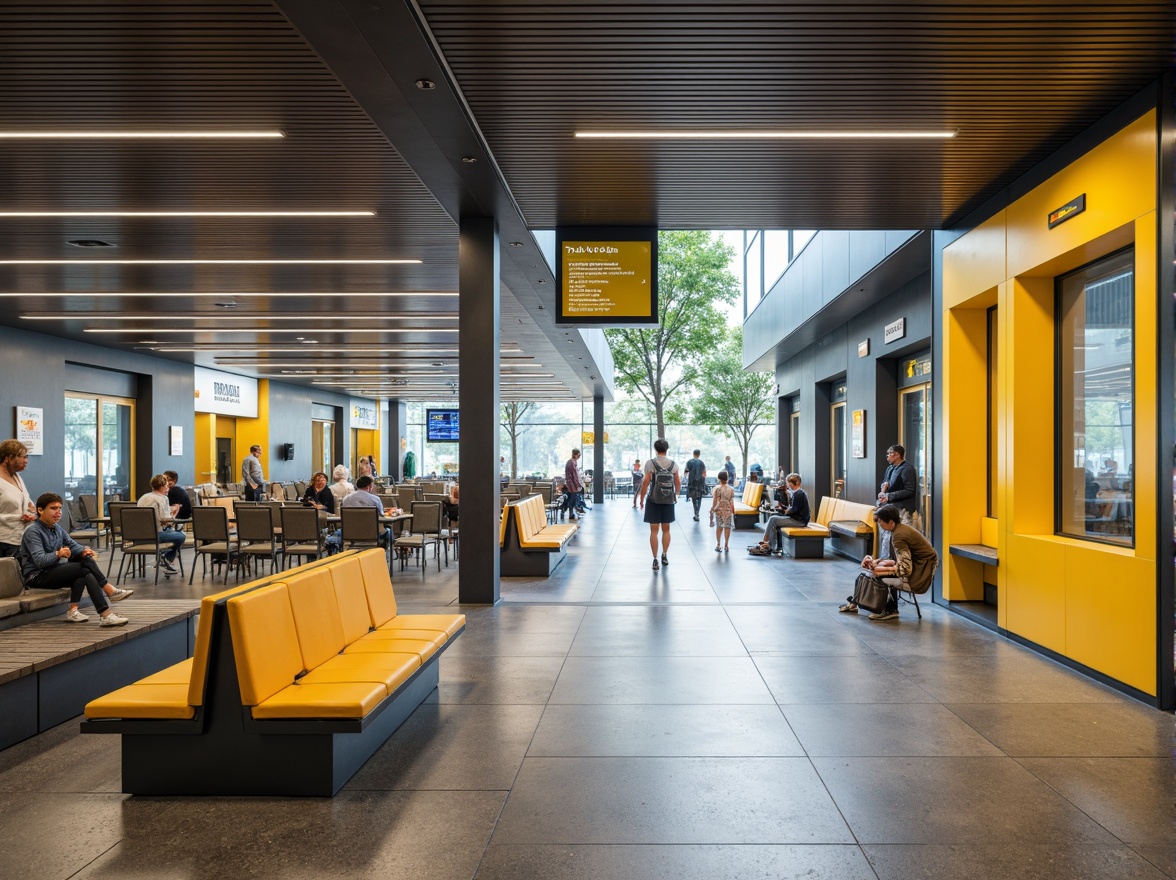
(663, 484)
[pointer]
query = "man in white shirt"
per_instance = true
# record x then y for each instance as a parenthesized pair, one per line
(251, 476)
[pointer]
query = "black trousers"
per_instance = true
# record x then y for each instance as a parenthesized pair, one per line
(78, 575)
(251, 493)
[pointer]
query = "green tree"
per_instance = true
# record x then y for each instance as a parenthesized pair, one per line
(512, 419)
(693, 281)
(733, 399)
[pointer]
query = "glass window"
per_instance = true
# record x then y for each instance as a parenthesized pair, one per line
(753, 270)
(1095, 394)
(838, 456)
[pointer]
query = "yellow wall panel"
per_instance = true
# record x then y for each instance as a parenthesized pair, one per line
(1028, 477)
(1110, 621)
(1119, 180)
(1034, 593)
(205, 448)
(974, 262)
(251, 432)
(1092, 602)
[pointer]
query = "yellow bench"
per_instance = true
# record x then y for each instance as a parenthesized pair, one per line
(852, 532)
(295, 682)
(747, 508)
(809, 542)
(531, 546)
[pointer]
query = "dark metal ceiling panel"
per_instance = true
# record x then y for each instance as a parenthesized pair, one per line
(1017, 80)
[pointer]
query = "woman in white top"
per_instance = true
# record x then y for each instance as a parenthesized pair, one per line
(16, 507)
(341, 488)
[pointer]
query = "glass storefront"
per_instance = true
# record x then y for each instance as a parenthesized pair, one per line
(99, 447)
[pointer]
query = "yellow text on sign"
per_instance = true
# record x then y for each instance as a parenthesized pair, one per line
(607, 278)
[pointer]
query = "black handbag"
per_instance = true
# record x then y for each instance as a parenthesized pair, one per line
(870, 593)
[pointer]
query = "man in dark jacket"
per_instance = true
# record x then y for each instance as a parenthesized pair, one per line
(900, 483)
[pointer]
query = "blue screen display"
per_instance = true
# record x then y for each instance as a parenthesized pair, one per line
(441, 425)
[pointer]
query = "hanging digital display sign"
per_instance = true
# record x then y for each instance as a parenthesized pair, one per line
(606, 276)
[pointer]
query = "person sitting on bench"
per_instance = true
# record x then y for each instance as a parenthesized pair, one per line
(51, 559)
(910, 563)
(795, 515)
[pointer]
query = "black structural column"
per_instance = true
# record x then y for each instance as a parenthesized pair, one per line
(478, 347)
(598, 449)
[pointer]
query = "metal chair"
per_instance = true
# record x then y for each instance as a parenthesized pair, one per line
(89, 507)
(211, 537)
(426, 531)
(140, 539)
(361, 528)
(301, 534)
(79, 527)
(406, 495)
(255, 535)
(115, 541)
(299, 488)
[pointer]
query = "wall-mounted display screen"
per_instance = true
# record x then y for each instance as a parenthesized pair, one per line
(441, 425)
(606, 275)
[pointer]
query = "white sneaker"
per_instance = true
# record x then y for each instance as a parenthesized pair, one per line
(112, 619)
(119, 595)
(75, 616)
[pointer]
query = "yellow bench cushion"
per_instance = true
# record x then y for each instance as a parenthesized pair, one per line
(141, 700)
(377, 584)
(424, 648)
(334, 700)
(265, 643)
(180, 673)
(350, 596)
(752, 493)
(810, 529)
(316, 616)
(450, 624)
(435, 636)
(390, 670)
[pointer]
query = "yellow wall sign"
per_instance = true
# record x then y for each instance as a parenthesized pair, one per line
(609, 278)
(587, 438)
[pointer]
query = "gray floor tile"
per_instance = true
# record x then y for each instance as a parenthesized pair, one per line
(1133, 798)
(1016, 862)
(1162, 855)
(884, 730)
(645, 630)
(62, 760)
(650, 731)
(792, 629)
(447, 747)
(952, 801)
(477, 679)
(669, 800)
(852, 678)
(422, 835)
(648, 680)
(1066, 729)
(1005, 676)
(487, 641)
(675, 863)
(52, 836)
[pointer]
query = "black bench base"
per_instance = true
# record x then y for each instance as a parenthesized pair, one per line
(804, 546)
(847, 543)
(517, 562)
(279, 764)
(747, 520)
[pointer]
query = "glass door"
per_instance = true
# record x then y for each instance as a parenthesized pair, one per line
(837, 454)
(914, 404)
(794, 443)
(99, 447)
(322, 447)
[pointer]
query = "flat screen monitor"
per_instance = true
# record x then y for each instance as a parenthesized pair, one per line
(441, 425)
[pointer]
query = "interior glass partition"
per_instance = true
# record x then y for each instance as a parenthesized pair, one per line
(99, 447)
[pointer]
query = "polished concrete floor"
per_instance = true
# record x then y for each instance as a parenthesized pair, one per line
(718, 719)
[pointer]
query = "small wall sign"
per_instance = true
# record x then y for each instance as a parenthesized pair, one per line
(894, 330)
(864, 348)
(30, 428)
(175, 439)
(858, 433)
(1072, 208)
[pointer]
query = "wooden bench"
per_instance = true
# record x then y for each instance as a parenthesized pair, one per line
(747, 508)
(851, 529)
(978, 552)
(296, 680)
(49, 670)
(530, 545)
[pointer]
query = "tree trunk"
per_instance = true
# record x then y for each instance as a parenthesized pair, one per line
(514, 456)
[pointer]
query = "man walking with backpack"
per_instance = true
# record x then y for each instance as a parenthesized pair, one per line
(662, 483)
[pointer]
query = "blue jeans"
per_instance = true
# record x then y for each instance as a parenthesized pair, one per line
(176, 539)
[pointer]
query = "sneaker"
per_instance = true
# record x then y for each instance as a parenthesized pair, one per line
(696, 517)
(849, 607)
(168, 569)
(75, 616)
(113, 619)
(664, 560)
(655, 565)
(119, 595)
(885, 615)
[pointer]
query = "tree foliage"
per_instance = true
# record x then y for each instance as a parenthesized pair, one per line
(731, 398)
(512, 414)
(693, 281)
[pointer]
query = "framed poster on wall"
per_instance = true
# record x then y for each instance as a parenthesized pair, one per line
(858, 433)
(30, 428)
